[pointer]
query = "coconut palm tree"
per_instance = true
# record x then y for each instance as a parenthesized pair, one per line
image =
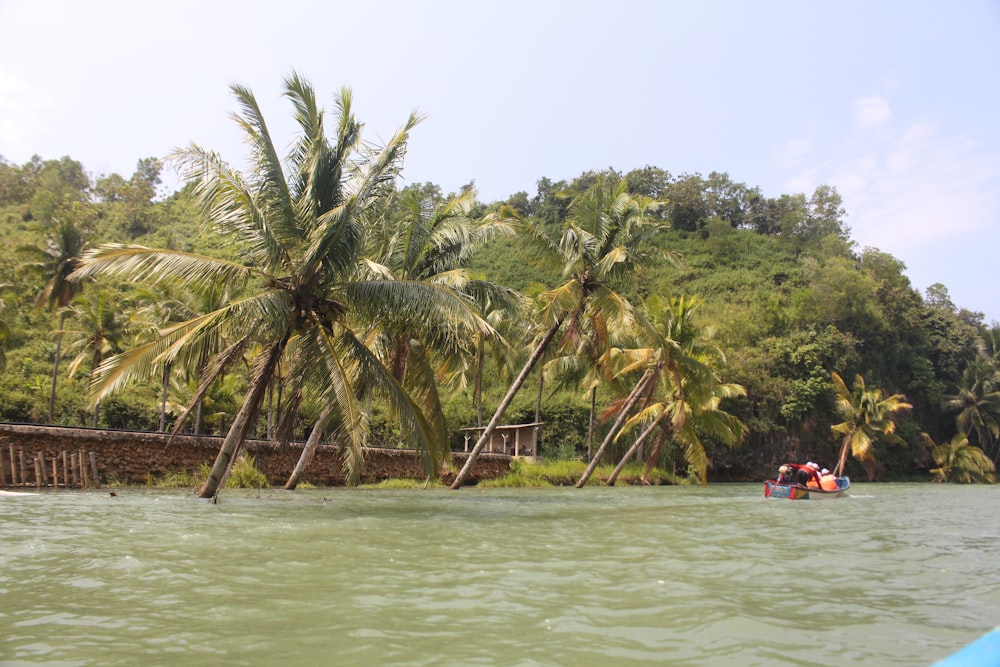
(604, 240)
(686, 396)
(976, 404)
(421, 239)
(64, 246)
(298, 226)
(960, 462)
(587, 362)
(867, 416)
(98, 328)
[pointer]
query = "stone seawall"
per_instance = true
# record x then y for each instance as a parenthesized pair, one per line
(133, 456)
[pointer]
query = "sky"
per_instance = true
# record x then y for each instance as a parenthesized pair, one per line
(894, 103)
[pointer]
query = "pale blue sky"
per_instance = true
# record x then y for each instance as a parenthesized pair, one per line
(897, 104)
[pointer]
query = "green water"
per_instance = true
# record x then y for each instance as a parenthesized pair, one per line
(891, 575)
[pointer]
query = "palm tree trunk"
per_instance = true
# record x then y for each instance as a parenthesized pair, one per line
(241, 425)
(308, 451)
(653, 457)
(478, 390)
(592, 424)
(622, 416)
(838, 471)
(163, 397)
(199, 420)
(55, 369)
(538, 398)
(505, 403)
(634, 448)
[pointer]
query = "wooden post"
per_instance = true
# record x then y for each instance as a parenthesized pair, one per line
(55, 473)
(3, 476)
(41, 469)
(93, 466)
(13, 467)
(73, 469)
(24, 470)
(65, 470)
(38, 472)
(83, 472)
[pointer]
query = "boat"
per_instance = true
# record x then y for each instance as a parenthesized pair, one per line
(774, 489)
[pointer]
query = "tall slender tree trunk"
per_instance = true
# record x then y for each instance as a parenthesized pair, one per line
(308, 451)
(199, 421)
(538, 398)
(622, 416)
(478, 390)
(241, 425)
(163, 397)
(653, 457)
(592, 424)
(634, 448)
(839, 470)
(505, 403)
(55, 369)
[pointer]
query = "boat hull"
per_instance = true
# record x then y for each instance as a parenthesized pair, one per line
(797, 492)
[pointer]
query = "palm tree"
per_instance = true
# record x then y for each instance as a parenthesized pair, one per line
(99, 327)
(298, 228)
(64, 246)
(960, 462)
(588, 363)
(867, 417)
(603, 242)
(977, 403)
(419, 239)
(685, 398)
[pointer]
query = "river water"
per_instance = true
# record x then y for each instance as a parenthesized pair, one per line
(893, 574)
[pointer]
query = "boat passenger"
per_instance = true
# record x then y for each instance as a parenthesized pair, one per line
(827, 481)
(785, 475)
(806, 475)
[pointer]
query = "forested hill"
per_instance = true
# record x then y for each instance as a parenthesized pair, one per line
(789, 297)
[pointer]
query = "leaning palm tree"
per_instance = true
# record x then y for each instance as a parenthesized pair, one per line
(686, 396)
(960, 462)
(867, 417)
(297, 226)
(604, 240)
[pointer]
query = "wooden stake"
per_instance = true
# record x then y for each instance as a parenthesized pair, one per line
(24, 470)
(13, 467)
(72, 467)
(41, 469)
(38, 473)
(83, 472)
(93, 466)
(55, 473)
(65, 458)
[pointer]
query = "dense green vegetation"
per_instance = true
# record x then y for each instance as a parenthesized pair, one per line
(729, 315)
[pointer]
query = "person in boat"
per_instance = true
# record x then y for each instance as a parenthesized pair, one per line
(804, 475)
(785, 475)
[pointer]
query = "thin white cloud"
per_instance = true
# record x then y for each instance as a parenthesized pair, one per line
(871, 111)
(792, 152)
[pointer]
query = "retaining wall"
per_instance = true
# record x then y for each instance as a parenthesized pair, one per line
(132, 456)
